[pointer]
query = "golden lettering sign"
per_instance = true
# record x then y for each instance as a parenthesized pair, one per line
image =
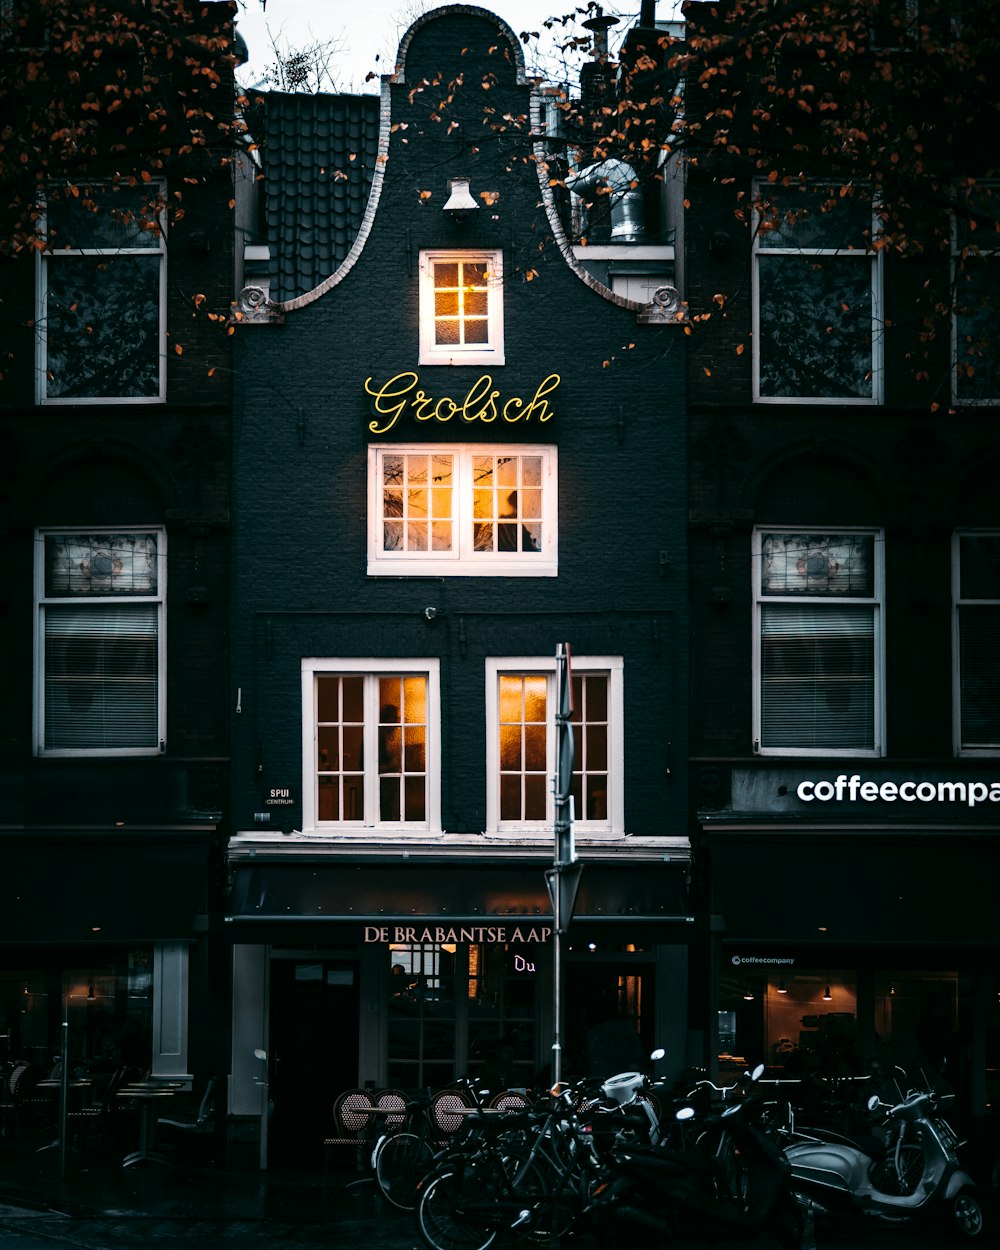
(493, 934)
(481, 403)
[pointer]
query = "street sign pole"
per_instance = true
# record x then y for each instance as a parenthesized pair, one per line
(563, 877)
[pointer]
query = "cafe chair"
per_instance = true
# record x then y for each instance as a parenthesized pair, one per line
(13, 1107)
(447, 1111)
(391, 1106)
(184, 1133)
(509, 1100)
(351, 1118)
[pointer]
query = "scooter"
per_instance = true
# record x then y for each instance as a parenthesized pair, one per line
(916, 1175)
(629, 1095)
(733, 1187)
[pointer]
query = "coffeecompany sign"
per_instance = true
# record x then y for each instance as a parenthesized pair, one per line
(899, 792)
(853, 788)
(410, 934)
(482, 402)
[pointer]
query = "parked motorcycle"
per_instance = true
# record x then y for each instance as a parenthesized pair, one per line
(630, 1100)
(732, 1186)
(914, 1174)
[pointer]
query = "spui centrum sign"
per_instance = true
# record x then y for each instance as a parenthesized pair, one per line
(482, 402)
(481, 934)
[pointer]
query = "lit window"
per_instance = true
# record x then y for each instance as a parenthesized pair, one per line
(462, 511)
(102, 314)
(818, 643)
(370, 744)
(975, 275)
(100, 646)
(976, 578)
(817, 296)
(520, 744)
(461, 308)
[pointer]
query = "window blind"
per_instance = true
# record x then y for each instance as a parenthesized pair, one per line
(101, 676)
(818, 676)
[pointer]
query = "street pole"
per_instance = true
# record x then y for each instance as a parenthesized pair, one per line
(564, 875)
(63, 1095)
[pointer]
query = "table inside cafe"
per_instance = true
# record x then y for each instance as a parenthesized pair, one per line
(148, 1096)
(51, 1087)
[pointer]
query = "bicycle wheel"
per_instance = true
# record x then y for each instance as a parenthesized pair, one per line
(441, 1219)
(401, 1163)
(526, 1198)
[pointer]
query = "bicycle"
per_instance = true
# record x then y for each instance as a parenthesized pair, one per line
(404, 1155)
(529, 1170)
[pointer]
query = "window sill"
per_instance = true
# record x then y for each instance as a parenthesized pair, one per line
(527, 566)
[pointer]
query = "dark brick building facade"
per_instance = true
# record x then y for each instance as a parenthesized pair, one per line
(843, 554)
(551, 510)
(116, 417)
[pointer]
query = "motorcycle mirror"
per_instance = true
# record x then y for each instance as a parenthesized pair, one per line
(757, 1073)
(685, 1113)
(873, 1102)
(657, 1054)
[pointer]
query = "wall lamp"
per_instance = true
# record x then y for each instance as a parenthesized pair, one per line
(460, 203)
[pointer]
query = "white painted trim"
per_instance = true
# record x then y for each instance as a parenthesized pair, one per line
(38, 643)
(957, 601)
(614, 825)
(428, 667)
(490, 353)
(464, 561)
(876, 602)
(170, 1011)
(43, 260)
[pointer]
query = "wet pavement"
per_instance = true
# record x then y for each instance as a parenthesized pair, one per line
(101, 1206)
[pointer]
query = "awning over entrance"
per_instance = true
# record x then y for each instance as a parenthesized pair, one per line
(71, 888)
(907, 889)
(324, 892)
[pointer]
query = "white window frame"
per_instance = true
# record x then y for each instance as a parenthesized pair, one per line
(464, 560)
(60, 255)
(489, 353)
(613, 666)
(430, 669)
(958, 602)
(44, 601)
(988, 256)
(875, 602)
(873, 258)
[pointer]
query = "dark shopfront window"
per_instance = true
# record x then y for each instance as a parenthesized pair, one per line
(462, 1009)
(106, 1000)
(832, 1022)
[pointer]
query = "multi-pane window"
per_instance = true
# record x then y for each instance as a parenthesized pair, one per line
(461, 308)
(462, 510)
(818, 643)
(100, 642)
(102, 297)
(975, 265)
(817, 296)
(370, 744)
(976, 592)
(520, 742)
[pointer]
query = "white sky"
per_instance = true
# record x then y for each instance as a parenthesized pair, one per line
(370, 29)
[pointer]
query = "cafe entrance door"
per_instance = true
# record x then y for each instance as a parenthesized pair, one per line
(313, 1033)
